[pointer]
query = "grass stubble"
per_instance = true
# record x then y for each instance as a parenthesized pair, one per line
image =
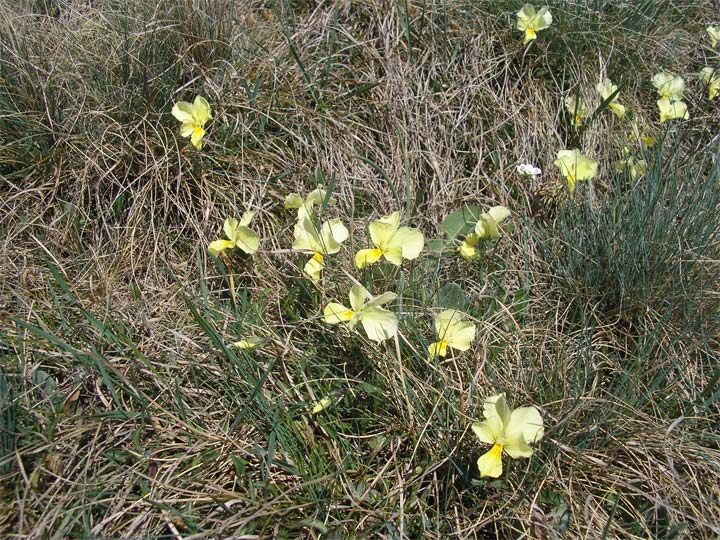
(126, 414)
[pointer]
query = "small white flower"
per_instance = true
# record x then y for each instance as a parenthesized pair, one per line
(526, 169)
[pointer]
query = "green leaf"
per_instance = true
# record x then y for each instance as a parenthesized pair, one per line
(452, 296)
(437, 245)
(460, 222)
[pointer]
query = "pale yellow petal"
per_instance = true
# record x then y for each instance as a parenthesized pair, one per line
(230, 227)
(381, 300)
(186, 130)
(437, 349)
(488, 431)
(358, 294)
(490, 463)
(499, 213)
(246, 218)
(379, 324)
(460, 335)
(201, 110)
(293, 201)
(364, 257)
(321, 405)
(381, 233)
(183, 111)
(247, 240)
(410, 241)
(516, 447)
(497, 407)
(219, 245)
(337, 313)
(313, 268)
(249, 343)
(526, 422)
(393, 255)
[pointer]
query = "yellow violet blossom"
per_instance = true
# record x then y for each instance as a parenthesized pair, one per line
(577, 106)
(193, 116)
(453, 331)
(669, 86)
(321, 405)
(239, 235)
(488, 224)
(510, 432)
(320, 243)
(249, 343)
(575, 166)
(394, 242)
(672, 110)
(379, 323)
(605, 89)
(468, 249)
(634, 167)
(712, 79)
(531, 21)
(714, 33)
(305, 207)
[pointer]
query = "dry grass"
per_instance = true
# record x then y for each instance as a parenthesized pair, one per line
(125, 413)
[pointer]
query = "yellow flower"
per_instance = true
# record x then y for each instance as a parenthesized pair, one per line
(193, 116)
(645, 140)
(508, 431)
(488, 224)
(531, 21)
(306, 207)
(249, 343)
(326, 241)
(321, 405)
(714, 33)
(708, 75)
(669, 86)
(379, 323)
(575, 166)
(468, 249)
(453, 332)
(672, 110)
(239, 236)
(577, 107)
(635, 167)
(605, 89)
(394, 242)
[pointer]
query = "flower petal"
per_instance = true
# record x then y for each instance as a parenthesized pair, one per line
(382, 232)
(497, 407)
(488, 431)
(526, 422)
(247, 240)
(246, 218)
(183, 111)
(379, 324)
(358, 295)
(364, 257)
(410, 241)
(337, 313)
(313, 268)
(201, 110)
(516, 447)
(381, 300)
(219, 245)
(460, 335)
(490, 463)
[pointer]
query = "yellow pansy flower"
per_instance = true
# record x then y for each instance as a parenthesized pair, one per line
(635, 167)
(510, 432)
(468, 249)
(712, 79)
(306, 207)
(531, 21)
(577, 107)
(452, 331)
(320, 243)
(575, 166)
(249, 343)
(379, 323)
(193, 116)
(714, 33)
(487, 226)
(239, 236)
(672, 109)
(605, 89)
(321, 405)
(394, 242)
(669, 86)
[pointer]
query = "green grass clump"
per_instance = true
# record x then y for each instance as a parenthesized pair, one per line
(127, 407)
